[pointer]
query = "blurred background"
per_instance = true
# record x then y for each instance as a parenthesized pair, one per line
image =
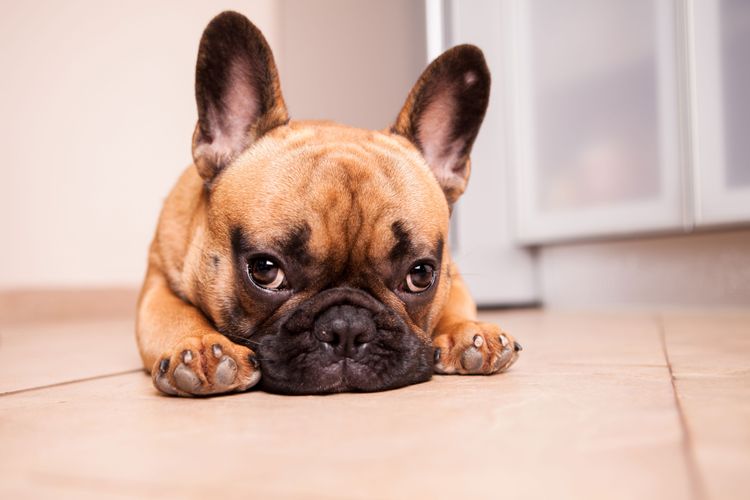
(613, 167)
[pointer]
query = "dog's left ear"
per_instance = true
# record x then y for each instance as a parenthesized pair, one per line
(443, 113)
(237, 91)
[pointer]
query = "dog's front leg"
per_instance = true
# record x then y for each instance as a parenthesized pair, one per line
(181, 350)
(467, 346)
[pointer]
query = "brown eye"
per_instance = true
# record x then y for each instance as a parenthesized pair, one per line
(420, 278)
(266, 273)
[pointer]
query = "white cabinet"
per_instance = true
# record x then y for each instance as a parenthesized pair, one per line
(607, 117)
(496, 269)
(595, 114)
(721, 120)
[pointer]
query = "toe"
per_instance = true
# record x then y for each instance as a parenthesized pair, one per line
(161, 380)
(502, 360)
(253, 359)
(186, 379)
(226, 372)
(472, 359)
(250, 381)
(507, 354)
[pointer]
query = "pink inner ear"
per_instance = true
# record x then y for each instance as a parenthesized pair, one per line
(230, 126)
(434, 131)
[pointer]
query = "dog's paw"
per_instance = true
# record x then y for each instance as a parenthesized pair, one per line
(207, 365)
(474, 348)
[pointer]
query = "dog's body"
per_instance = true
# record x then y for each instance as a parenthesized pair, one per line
(312, 256)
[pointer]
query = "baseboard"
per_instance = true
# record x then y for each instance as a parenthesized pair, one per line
(60, 304)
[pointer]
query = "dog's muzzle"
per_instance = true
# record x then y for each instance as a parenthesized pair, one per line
(343, 339)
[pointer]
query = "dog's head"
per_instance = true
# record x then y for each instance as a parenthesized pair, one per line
(326, 245)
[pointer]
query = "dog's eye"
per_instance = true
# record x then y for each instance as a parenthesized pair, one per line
(266, 273)
(420, 278)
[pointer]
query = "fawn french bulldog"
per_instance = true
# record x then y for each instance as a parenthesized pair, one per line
(311, 257)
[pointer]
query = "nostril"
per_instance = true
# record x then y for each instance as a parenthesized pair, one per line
(363, 335)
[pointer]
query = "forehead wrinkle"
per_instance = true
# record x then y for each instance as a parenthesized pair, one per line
(363, 193)
(345, 207)
(373, 174)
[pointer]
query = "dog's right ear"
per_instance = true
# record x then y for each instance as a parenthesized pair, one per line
(237, 91)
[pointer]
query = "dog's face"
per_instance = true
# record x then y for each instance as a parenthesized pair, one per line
(326, 245)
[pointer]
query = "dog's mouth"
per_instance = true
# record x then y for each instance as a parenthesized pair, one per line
(343, 339)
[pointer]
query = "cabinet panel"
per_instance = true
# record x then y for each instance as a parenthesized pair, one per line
(721, 79)
(735, 58)
(595, 118)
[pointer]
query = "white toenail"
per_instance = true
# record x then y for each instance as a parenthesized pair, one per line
(503, 340)
(478, 341)
(187, 356)
(216, 350)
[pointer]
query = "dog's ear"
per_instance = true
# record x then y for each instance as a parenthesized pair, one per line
(443, 113)
(237, 91)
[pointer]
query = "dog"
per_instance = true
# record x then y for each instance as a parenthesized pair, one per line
(311, 257)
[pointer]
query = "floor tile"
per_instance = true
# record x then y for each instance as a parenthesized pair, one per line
(52, 352)
(710, 357)
(588, 412)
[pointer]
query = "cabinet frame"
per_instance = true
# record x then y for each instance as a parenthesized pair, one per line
(715, 203)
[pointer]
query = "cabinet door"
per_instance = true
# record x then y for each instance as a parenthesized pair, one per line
(595, 118)
(721, 121)
(497, 271)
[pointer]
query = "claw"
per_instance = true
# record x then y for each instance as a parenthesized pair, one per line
(216, 350)
(478, 341)
(187, 356)
(504, 340)
(517, 347)
(436, 355)
(163, 366)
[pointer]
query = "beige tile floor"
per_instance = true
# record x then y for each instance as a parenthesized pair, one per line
(601, 405)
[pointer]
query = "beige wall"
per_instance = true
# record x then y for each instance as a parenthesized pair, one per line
(97, 108)
(351, 61)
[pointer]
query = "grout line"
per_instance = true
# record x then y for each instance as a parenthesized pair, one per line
(698, 487)
(68, 382)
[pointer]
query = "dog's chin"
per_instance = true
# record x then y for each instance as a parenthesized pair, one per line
(342, 376)
(298, 357)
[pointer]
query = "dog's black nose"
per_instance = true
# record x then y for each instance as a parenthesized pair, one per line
(345, 328)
